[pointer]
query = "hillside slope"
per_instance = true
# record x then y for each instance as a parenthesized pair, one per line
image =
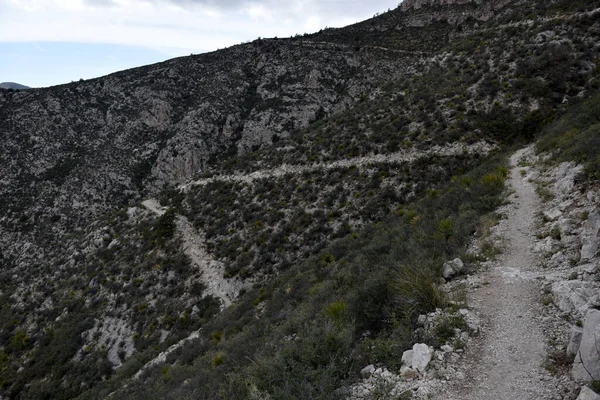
(270, 159)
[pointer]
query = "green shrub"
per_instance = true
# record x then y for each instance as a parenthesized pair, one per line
(577, 136)
(165, 225)
(336, 310)
(417, 290)
(327, 259)
(218, 360)
(445, 328)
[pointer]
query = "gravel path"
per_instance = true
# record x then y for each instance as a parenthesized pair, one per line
(226, 290)
(218, 286)
(410, 155)
(506, 363)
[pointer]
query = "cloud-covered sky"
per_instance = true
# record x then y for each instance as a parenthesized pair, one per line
(47, 42)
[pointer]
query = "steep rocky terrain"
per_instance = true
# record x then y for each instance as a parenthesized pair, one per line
(178, 204)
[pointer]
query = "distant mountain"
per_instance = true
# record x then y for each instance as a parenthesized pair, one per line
(12, 85)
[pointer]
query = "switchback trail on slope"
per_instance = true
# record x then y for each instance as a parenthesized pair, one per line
(506, 363)
(212, 271)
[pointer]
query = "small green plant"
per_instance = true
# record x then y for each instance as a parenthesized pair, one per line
(166, 374)
(555, 233)
(446, 327)
(494, 180)
(218, 360)
(544, 194)
(489, 249)
(327, 259)
(574, 275)
(336, 310)
(418, 290)
(458, 344)
(261, 296)
(165, 226)
(445, 230)
(217, 336)
(558, 360)
(547, 299)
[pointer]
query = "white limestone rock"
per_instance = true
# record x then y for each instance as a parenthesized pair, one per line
(552, 215)
(573, 296)
(407, 358)
(586, 367)
(421, 356)
(574, 341)
(588, 394)
(368, 370)
(452, 268)
(590, 237)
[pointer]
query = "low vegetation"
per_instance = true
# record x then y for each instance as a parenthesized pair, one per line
(576, 137)
(320, 321)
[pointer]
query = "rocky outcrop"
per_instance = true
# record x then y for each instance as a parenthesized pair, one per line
(575, 296)
(588, 394)
(574, 341)
(590, 237)
(587, 362)
(564, 177)
(420, 13)
(418, 4)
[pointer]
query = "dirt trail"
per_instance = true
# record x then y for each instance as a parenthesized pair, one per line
(506, 362)
(226, 290)
(410, 155)
(212, 270)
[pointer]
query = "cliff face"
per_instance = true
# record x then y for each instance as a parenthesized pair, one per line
(424, 12)
(71, 149)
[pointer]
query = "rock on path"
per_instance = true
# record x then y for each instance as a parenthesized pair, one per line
(507, 363)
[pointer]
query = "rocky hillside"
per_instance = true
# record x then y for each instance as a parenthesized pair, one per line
(252, 162)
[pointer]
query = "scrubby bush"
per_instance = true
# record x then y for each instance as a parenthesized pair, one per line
(577, 135)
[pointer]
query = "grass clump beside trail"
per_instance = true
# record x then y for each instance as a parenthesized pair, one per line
(576, 137)
(318, 323)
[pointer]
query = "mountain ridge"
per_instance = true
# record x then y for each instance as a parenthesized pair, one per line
(13, 85)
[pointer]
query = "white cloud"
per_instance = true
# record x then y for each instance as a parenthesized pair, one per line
(190, 25)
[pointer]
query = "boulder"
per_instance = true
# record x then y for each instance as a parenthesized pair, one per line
(552, 215)
(566, 205)
(573, 296)
(421, 356)
(590, 237)
(586, 367)
(452, 268)
(564, 177)
(574, 341)
(368, 370)
(566, 226)
(547, 246)
(588, 394)
(447, 348)
(591, 268)
(407, 358)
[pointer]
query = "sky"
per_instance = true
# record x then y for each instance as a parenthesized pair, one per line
(50, 42)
